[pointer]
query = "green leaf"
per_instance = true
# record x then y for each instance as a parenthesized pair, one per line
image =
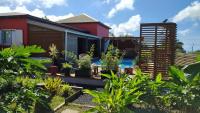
(159, 77)
(177, 75)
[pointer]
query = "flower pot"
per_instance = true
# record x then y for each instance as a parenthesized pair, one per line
(128, 71)
(83, 73)
(53, 70)
(66, 71)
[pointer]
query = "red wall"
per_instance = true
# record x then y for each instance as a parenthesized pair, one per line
(94, 28)
(102, 31)
(16, 23)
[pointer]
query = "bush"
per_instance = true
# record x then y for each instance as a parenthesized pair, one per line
(66, 90)
(111, 59)
(53, 52)
(66, 65)
(16, 61)
(71, 58)
(53, 85)
(118, 93)
(85, 62)
(18, 92)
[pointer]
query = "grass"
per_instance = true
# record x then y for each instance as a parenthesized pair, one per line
(55, 101)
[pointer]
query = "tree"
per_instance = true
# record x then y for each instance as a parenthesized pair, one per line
(179, 46)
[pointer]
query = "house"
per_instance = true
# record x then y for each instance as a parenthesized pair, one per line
(88, 23)
(76, 36)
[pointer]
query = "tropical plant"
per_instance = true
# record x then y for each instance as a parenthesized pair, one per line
(91, 51)
(17, 61)
(66, 65)
(184, 91)
(192, 69)
(18, 92)
(71, 58)
(53, 52)
(85, 62)
(66, 90)
(118, 93)
(53, 85)
(153, 91)
(111, 59)
(21, 96)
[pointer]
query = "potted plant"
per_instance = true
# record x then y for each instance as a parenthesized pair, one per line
(66, 68)
(84, 67)
(53, 53)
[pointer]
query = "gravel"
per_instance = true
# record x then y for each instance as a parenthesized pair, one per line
(85, 99)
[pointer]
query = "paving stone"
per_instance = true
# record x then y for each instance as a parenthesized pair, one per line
(70, 111)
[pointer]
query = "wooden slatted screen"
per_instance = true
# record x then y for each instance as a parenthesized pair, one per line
(157, 47)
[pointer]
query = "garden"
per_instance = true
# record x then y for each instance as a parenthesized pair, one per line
(30, 85)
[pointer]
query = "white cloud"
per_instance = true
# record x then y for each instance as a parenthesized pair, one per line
(37, 3)
(123, 4)
(50, 3)
(190, 12)
(184, 32)
(106, 1)
(35, 12)
(128, 27)
(14, 2)
(109, 1)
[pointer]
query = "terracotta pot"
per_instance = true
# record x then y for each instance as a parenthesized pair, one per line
(128, 71)
(53, 70)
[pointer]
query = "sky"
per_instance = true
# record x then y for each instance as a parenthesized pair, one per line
(123, 16)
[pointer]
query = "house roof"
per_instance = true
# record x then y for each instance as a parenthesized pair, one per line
(76, 19)
(23, 15)
(82, 18)
(12, 14)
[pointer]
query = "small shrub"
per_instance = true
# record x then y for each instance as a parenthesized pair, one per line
(53, 52)
(17, 61)
(66, 90)
(118, 93)
(71, 58)
(53, 85)
(85, 62)
(111, 59)
(66, 65)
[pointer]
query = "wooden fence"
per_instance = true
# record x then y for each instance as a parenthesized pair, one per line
(157, 47)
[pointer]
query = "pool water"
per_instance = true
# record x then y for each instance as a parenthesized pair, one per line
(126, 63)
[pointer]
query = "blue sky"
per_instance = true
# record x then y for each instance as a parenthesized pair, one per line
(124, 16)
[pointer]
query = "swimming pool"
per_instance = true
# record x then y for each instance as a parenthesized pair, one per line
(126, 63)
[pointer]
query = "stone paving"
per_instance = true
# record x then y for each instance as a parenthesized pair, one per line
(70, 111)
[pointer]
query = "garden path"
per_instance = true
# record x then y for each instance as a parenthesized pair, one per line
(70, 111)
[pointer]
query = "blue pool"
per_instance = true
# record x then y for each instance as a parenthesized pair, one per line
(126, 63)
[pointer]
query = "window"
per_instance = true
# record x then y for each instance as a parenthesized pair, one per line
(6, 37)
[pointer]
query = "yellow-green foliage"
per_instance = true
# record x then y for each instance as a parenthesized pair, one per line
(55, 86)
(66, 89)
(28, 82)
